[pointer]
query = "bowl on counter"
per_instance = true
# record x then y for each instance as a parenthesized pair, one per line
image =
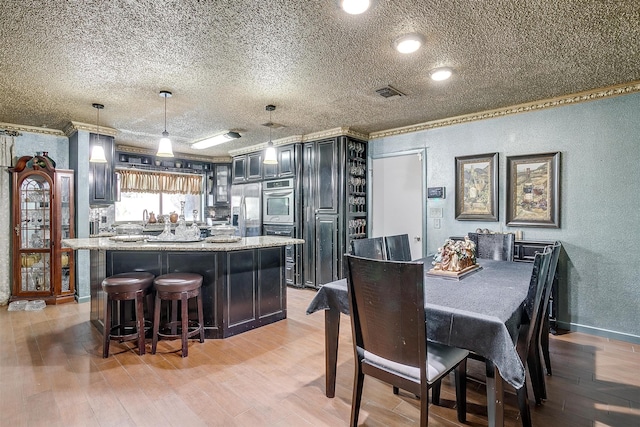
(129, 229)
(222, 230)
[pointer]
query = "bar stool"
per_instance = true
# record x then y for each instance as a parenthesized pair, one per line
(132, 286)
(178, 287)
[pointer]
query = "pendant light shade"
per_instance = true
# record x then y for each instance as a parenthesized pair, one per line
(97, 152)
(164, 147)
(270, 157)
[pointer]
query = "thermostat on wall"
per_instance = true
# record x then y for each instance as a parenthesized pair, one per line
(435, 193)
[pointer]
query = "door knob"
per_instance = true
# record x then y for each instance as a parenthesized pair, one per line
(417, 238)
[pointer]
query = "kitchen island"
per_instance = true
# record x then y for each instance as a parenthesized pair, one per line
(243, 282)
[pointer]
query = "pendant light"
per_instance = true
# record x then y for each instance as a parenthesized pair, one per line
(164, 147)
(97, 152)
(270, 157)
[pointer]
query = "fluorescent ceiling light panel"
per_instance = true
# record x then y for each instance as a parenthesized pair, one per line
(215, 140)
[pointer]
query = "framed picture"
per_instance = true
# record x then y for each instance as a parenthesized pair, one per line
(533, 190)
(477, 187)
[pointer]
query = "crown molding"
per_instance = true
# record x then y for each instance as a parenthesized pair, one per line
(591, 95)
(329, 133)
(73, 127)
(31, 129)
(148, 152)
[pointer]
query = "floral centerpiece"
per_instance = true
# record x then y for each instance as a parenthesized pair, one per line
(455, 255)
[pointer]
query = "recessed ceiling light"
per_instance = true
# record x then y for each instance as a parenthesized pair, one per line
(408, 43)
(440, 74)
(355, 7)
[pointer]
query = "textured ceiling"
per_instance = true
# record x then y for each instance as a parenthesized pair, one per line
(225, 60)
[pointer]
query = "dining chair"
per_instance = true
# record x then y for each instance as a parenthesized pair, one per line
(526, 342)
(386, 301)
(531, 307)
(398, 248)
(372, 247)
(494, 246)
(541, 331)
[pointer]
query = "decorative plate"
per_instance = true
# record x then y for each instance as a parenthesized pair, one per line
(128, 238)
(223, 239)
(454, 275)
(150, 240)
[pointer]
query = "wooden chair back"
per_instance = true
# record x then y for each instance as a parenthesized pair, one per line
(372, 247)
(398, 248)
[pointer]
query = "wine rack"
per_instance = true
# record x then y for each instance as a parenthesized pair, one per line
(356, 190)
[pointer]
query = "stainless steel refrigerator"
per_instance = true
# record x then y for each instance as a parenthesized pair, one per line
(246, 208)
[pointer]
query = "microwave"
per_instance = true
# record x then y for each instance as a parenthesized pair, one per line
(278, 201)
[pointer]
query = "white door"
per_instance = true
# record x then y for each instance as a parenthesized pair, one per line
(397, 199)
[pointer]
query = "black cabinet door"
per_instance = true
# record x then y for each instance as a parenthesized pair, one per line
(239, 166)
(326, 249)
(327, 177)
(101, 175)
(286, 161)
(254, 167)
(221, 180)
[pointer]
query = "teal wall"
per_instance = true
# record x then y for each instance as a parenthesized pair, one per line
(600, 199)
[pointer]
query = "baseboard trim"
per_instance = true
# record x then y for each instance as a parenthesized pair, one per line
(83, 299)
(606, 333)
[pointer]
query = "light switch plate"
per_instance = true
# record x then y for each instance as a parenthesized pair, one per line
(435, 212)
(436, 223)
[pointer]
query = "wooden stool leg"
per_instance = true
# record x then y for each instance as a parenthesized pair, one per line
(107, 330)
(184, 318)
(200, 317)
(140, 321)
(156, 323)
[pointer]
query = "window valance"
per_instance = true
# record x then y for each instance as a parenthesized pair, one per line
(135, 181)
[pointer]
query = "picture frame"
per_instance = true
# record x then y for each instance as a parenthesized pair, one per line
(533, 190)
(477, 187)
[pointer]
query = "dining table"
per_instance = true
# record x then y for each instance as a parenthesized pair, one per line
(480, 312)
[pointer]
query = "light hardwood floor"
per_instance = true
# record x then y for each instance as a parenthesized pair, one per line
(52, 374)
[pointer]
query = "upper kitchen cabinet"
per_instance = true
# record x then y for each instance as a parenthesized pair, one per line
(219, 185)
(101, 175)
(247, 167)
(42, 214)
(288, 156)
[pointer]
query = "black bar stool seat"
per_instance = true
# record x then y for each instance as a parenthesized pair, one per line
(178, 287)
(131, 286)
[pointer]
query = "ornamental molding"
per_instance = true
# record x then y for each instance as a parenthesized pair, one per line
(30, 129)
(149, 152)
(73, 127)
(592, 95)
(315, 136)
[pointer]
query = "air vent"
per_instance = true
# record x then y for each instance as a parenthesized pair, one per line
(389, 91)
(273, 125)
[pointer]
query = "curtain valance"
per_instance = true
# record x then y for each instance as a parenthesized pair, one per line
(134, 181)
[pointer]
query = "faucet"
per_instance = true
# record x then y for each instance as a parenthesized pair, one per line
(145, 217)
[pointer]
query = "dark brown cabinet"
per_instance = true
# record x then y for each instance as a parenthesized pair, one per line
(329, 207)
(286, 167)
(42, 215)
(247, 168)
(219, 185)
(101, 175)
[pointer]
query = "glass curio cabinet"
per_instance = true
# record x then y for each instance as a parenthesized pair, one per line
(42, 215)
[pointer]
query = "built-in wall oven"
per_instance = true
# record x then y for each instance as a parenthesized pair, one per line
(278, 202)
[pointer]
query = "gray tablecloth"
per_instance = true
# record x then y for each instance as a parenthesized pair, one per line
(480, 312)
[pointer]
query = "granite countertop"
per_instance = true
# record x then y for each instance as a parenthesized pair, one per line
(106, 244)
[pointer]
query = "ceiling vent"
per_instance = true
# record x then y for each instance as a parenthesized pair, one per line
(389, 91)
(273, 125)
